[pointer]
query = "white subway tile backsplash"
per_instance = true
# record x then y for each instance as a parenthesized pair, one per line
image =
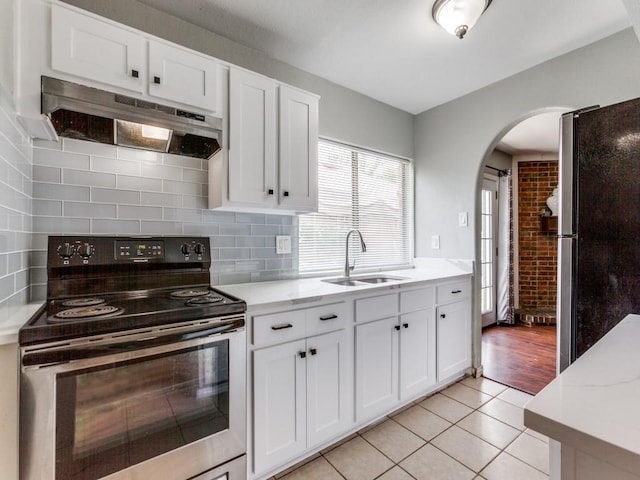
(90, 148)
(119, 197)
(90, 179)
(112, 165)
(47, 174)
(160, 171)
(142, 213)
(189, 215)
(160, 228)
(52, 191)
(161, 199)
(89, 210)
(60, 159)
(115, 190)
(172, 186)
(47, 207)
(114, 227)
(139, 183)
(61, 225)
(139, 155)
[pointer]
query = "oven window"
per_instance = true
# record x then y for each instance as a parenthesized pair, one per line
(114, 416)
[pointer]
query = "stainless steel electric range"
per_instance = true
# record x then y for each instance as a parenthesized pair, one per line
(135, 367)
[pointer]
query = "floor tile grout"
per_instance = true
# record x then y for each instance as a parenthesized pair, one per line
(417, 402)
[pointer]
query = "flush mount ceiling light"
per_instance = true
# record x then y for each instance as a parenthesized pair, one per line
(458, 16)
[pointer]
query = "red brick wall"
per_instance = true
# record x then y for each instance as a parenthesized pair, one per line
(538, 251)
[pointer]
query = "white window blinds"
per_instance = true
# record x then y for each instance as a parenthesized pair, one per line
(358, 189)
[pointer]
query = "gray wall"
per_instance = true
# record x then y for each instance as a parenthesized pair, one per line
(344, 114)
(452, 140)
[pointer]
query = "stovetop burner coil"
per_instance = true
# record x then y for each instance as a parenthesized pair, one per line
(83, 302)
(190, 293)
(205, 300)
(93, 311)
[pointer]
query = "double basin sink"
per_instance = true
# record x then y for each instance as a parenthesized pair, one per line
(362, 280)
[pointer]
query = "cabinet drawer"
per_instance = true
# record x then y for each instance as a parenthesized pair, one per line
(452, 292)
(373, 308)
(417, 299)
(326, 318)
(278, 327)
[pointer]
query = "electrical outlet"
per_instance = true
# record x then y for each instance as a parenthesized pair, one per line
(463, 219)
(435, 242)
(283, 244)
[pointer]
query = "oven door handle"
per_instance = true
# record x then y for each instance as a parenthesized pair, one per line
(83, 352)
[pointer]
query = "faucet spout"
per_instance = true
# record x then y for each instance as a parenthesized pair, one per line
(363, 248)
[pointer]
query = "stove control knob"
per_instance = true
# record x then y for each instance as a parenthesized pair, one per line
(199, 249)
(185, 249)
(86, 250)
(66, 251)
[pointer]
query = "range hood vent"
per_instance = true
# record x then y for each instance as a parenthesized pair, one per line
(85, 113)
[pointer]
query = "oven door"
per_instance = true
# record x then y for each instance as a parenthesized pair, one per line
(159, 404)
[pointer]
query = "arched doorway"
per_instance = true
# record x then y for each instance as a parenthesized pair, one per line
(517, 253)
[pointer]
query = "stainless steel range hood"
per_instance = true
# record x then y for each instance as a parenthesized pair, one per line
(85, 113)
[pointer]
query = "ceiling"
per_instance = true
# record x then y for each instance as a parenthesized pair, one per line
(394, 52)
(537, 134)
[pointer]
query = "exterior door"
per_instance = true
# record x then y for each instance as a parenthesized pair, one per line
(488, 248)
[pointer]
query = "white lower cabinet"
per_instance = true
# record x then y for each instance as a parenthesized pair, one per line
(454, 333)
(395, 356)
(301, 390)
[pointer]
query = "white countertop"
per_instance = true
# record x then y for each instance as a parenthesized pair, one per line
(292, 292)
(13, 318)
(594, 405)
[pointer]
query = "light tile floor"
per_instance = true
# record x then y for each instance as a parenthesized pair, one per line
(473, 430)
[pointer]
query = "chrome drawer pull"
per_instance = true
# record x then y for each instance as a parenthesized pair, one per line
(328, 317)
(282, 326)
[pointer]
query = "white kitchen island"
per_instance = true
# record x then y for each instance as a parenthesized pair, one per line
(592, 410)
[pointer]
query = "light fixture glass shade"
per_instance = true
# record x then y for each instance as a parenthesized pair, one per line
(458, 16)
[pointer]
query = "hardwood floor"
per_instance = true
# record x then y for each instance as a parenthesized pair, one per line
(520, 356)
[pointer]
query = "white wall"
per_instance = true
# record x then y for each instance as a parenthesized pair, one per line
(344, 114)
(6, 44)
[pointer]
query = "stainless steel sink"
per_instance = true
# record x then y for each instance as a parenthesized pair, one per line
(355, 281)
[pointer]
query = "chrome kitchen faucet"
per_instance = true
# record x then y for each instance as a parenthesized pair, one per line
(363, 247)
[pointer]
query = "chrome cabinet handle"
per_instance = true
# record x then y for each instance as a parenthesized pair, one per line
(282, 326)
(328, 317)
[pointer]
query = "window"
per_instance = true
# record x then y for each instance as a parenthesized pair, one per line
(359, 189)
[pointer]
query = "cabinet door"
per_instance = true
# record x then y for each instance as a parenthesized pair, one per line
(417, 352)
(328, 366)
(279, 406)
(252, 139)
(454, 338)
(184, 77)
(298, 150)
(376, 367)
(95, 50)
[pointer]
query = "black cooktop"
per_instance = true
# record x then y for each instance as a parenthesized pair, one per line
(103, 284)
(77, 317)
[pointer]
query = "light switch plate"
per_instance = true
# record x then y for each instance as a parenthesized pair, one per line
(283, 244)
(435, 242)
(463, 219)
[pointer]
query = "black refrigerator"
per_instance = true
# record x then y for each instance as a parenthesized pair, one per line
(599, 224)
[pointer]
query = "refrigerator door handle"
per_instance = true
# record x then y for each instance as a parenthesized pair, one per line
(564, 303)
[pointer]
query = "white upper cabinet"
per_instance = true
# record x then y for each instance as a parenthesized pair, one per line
(252, 139)
(298, 150)
(107, 54)
(95, 50)
(272, 159)
(181, 76)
